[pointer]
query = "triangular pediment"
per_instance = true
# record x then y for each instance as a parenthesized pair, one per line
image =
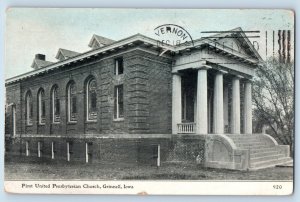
(236, 41)
(237, 44)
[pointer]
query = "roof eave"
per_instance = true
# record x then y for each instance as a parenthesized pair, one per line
(82, 56)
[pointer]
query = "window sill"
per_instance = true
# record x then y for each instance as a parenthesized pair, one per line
(72, 122)
(29, 125)
(118, 119)
(41, 124)
(55, 123)
(91, 121)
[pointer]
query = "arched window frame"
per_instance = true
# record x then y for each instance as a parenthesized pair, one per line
(72, 102)
(29, 109)
(41, 107)
(55, 105)
(91, 99)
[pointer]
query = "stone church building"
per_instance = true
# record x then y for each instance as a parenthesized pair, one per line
(134, 101)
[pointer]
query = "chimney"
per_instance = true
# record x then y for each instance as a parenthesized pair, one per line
(40, 57)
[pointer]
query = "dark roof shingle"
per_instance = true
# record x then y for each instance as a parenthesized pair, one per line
(66, 53)
(101, 40)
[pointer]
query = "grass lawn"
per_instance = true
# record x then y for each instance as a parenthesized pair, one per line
(26, 169)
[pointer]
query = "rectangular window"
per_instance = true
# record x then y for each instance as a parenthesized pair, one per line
(119, 67)
(88, 153)
(13, 120)
(118, 102)
(69, 150)
(156, 154)
(53, 150)
(39, 149)
(27, 148)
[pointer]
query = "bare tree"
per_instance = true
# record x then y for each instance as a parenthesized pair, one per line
(273, 96)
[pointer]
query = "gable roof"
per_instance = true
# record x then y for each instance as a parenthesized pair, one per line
(66, 53)
(37, 63)
(100, 40)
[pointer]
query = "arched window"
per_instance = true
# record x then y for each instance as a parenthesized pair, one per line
(29, 110)
(91, 100)
(41, 107)
(55, 105)
(72, 103)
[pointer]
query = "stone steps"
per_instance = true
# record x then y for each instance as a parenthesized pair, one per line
(246, 140)
(250, 144)
(266, 158)
(263, 153)
(269, 163)
(287, 164)
(242, 137)
(255, 147)
(261, 150)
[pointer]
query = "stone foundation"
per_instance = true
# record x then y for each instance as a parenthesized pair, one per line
(237, 152)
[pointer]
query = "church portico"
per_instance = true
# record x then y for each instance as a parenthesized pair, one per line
(208, 100)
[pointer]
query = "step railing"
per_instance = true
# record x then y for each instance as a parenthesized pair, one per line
(186, 128)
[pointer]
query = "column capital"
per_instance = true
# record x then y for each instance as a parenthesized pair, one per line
(220, 71)
(238, 77)
(248, 80)
(176, 73)
(203, 67)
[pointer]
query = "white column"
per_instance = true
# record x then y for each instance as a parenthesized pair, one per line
(248, 108)
(176, 101)
(218, 115)
(68, 151)
(52, 150)
(201, 110)
(27, 148)
(158, 155)
(235, 107)
(86, 152)
(225, 106)
(39, 149)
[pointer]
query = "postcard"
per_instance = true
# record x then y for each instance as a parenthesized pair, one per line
(149, 101)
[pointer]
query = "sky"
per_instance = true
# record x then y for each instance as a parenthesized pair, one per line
(43, 30)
